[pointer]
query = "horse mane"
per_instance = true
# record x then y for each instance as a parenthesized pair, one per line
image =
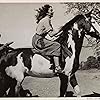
(16, 51)
(69, 24)
(20, 50)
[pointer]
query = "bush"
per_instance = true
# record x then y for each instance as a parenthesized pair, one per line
(91, 62)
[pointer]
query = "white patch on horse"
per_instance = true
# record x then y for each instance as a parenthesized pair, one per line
(17, 71)
(79, 33)
(40, 67)
(70, 60)
(75, 26)
(92, 30)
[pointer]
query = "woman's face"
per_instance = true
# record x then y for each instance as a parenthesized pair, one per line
(50, 12)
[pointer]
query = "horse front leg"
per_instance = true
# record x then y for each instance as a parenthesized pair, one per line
(74, 84)
(63, 84)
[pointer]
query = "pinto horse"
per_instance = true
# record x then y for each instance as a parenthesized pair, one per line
(25, 61)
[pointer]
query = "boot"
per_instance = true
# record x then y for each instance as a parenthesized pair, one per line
(58, 69)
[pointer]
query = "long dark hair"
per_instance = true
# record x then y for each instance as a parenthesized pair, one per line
(42, 12)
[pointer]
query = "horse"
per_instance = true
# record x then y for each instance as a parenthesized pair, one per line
(6, 82)
(23, 62)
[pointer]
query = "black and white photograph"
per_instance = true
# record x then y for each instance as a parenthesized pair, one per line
(50, 49)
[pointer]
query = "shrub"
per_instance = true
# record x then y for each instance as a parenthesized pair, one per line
(91, 62)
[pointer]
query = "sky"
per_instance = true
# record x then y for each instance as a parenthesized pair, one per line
(18, 24)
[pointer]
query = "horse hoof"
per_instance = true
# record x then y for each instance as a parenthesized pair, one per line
(77, 90)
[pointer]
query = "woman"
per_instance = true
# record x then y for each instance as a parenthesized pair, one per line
(43, 45)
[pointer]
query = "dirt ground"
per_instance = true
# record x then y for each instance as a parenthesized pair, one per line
(89, 80)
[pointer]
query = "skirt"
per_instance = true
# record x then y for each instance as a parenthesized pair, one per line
(46, 47)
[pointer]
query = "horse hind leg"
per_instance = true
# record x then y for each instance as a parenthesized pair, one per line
(13, 84)
(17, 89)
(19, 85)
(63, 84)
(25, 93)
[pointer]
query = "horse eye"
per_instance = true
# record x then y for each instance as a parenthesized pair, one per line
(51, 9)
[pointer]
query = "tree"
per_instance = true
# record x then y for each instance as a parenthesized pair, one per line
(82, 7)
(91, 62)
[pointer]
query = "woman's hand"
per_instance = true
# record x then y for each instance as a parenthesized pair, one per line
(53, 38)
(58, 34)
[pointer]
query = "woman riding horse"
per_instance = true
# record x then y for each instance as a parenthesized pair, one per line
(44, 28)
(72, 35)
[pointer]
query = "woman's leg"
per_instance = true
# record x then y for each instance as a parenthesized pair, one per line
(56, 61)
(57, 65)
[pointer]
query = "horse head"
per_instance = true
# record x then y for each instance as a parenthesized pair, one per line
(73, 33)
(93, 18)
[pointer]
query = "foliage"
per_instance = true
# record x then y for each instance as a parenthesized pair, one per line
(82, 7)
(91, 62)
